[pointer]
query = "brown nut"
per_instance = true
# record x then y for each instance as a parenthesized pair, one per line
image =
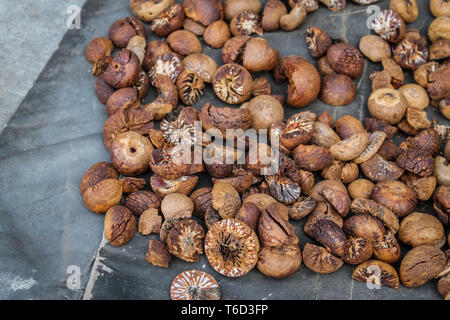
(194, 285)
(324, 67)
(389, 25)
(216, 34)
(142, 84)
(326, 118)
(320, 260)
(184, 42)
(423, 187)
(387, 248)
(168, 21)
(407, 9)
(439, 29)
(202, 199)
(421, 228)
(396, 196)
(264, 110)
(375, 141)
(438, 83)
(386, 216)
(190, 87)
(334, 5)
(246, 23)
(421, 264)
(283, 189)
(234, 7)
(213, 117)
(301, 208)
(123, 70)
(347, 126)
(258, 55)
(273, 230)
(225, 199)
(323, 135)
(98, 48)
(294, 18)
(357, 250)
(96, 173)
(442, 171)
(422, 72)
(349, 172)
(232, 83)
(261, 86)
(182, 185)
(137, 45)
(279, 262)
(398, 77)
(412, 51)
(378, 273)
(103, 195)
(125, 98)
(442, 204)
(361, 188)
(312, 157)
(311, 5)
(329, 234)
(443, 287)
(241, 180)
(124, 29)
(166, 100)
(196, 28)
(304, 80)
(149, 222)
(157, 254)
(364, 226)
(415, 95)
(147, 10)
(374, 48)
(203, 11)
(131, 184)
(337, 90)
(346, 59)
(142, 200)
(333, 192)
(440, 8)
(103, 90)
(262, 200)
(378, 169)
(417, 162)
(374, 125)
(153, 51)
(249, 213)
(130, 153)
(299, 129)
(323, 210)
(185, 240)
(439, 49)
(317, 41)
(388, 105)
(380, 80)
(203, 65)
(272, 13)
(351, 147)
(119, 225)
(177, 205)
(168, 64)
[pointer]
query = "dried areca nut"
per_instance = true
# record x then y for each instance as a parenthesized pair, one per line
(324, 67)
(273, 230)
(166, 100)
(103, 195)
(142, 200)
(439, 83)
(361, 188)
(323, 135)
(98, 48)
(442, 171)
(427, 140)
(396, 196)
(365, 2)
(423, 187)
(234, 7)
(443, 286)
(196, 28)
(320, 260)
(169, 20)
(124, 29)
(241, 181)
(249, 213)
(194, 285)
(232, 247)
(264, 111)
(421, 264)
(136, 120)
(177, 205)
(246, 23)
(233, 49)
(422, 72)
(337, 90)
(103, 90)
(333, 192)
(190, 87)
(364, 226)
(169, 163)
(311, 5)
(440, 8)
(100, 66)
(258, 55)
(202, 200)
(367, 206)
(182, 185)
(142, 84)
(120, 225)
(330, 235)
(153, 51)
(123, 70)
(157, 254)
(203, 65)
(387, 248)
(323, 210)
(283, 189)
(225, 200)
(149, 222)
(351, 147)
(381, 79)
(262, 200)
(421, 228)
(96, 173)
(417, 162)
(185, 240)
(213, 117)
(184, 42)
(389, 25)
(272, 13)
(147, 10)
(346, 59)
(378, 169)
(439, 29)
(130, 153)
(167, 226)
(376, 125)
(357, 250)
(216, 34)
(440, 49)
(406, 128)
(334, 5)
(232, 83)
(375, 141)
(388, 105)
(347, 126)
(168, 64)
(412, 51)
(326, 118)
(374, 48)
(294, 18)
(137, 45)
(407, 9)
(349, 173)
(131, 184)
(377, 273)
(312, 157)
(125, 98)
(442, 204)
(334, 171)
(317, 42)
(396, 72)
(279, 262)
(302, 207)
(203, 11)
(415, 95)
(261, 86)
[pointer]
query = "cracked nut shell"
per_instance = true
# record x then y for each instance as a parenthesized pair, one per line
(279, 262)
(185, 240)
(378, 273)
(396, 196)
(346, 59)
(232, 83)
(120, 225)
(319, 260)
(142, 200)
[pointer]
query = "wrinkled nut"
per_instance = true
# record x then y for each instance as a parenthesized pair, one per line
(203, 65)
(337, 90)
(249, 213)
(346, 59)
(364, 226)
(304, 80)
(234, 7)
(311, 5)
(283, 189)
(231, 247)
(137, 45)
(361, 188)
(142, 200)
(443, 287)
(312, 157)
(417, 162)
(96, 173)
(123, 70)
(378, 169)
(323, 210)
(334, 5)
(196, 28)
(103, 90)
(153, 51)
(351, 147)
(374, 125)
(374, 48)
(440, 8)
(396, 196)
(415, 95)
(150, 222)
(398, 77)
(103, 195)
(273, 230)
(142, 84)
(202, 200)
(120, 225)
(279, 262)
(124, 29)
(378, 273)
(439, 83)
(216, 34)
(421, 228)
(317, 41)
(177, 205)
(185, 240)
(388, 105)
(264, 110)
(439, 49)
(272, 13)
(147, 10)
(184, 42)
(326, 118)
(323, 135)
(442, 204)
(319, 260)
(182, 185)
(130, 153)
(166, 100)
(349, 173)
(357, 250)
(246, 23)
(168, 21)
(386, 216)
(294, 18)
(407, 9)
(157, 254)
(375, 141)
(241, 180)
(301, 208)
(439, 29)
(389, 25)
(442, 171)
(131, 184)
(329, 234)
(387, 248)
(168, 64)
(190, 87)
(412, 51)
(381, 79)
(262, 200)
(422, 72)
(299, 129)
(261, 86)
(194, 285)
(421, 264)
(98, 48)
(125, 98)
(427, 140)
(347, 126)
(406, 128)
(423, 187)
(324, 67)
(232, 83)
(225, 199)
(333, 192)
(213, 117)
(203, 11)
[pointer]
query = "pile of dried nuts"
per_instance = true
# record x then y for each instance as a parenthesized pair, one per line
(248, 216)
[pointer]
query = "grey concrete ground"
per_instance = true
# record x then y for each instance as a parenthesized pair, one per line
(30, 31)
